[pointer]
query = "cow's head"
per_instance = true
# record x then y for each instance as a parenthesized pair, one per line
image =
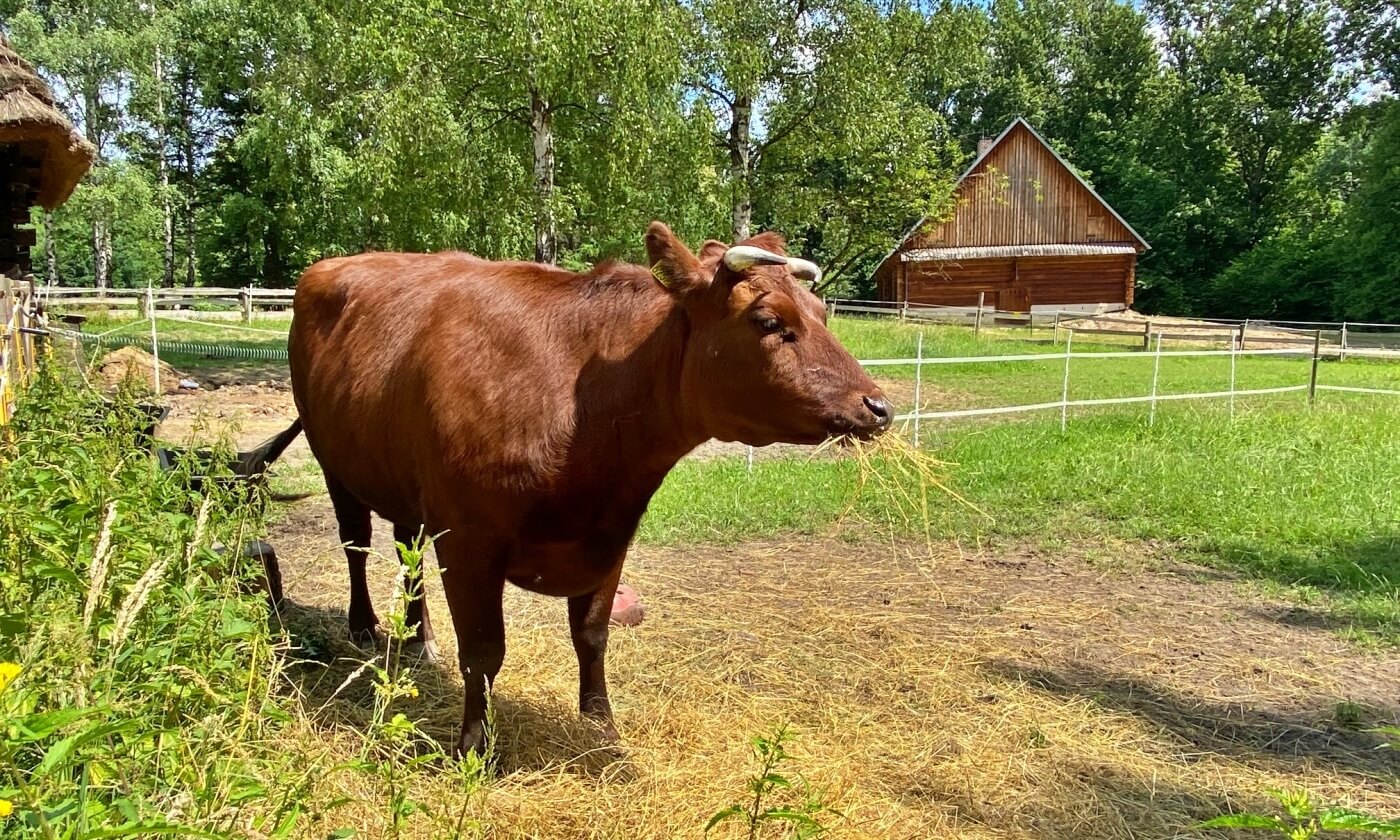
(760, 365)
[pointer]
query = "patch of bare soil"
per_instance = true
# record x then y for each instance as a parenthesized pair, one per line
(135, 367)
(1001, 692)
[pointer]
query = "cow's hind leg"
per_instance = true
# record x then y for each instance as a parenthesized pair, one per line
(416, 614)
(588, 625)
(353, 517)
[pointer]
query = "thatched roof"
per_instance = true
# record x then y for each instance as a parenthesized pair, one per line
(29, 117)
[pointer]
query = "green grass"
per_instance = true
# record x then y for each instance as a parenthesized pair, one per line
(1282, 494)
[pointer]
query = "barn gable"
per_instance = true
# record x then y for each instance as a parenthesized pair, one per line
(1026, 228)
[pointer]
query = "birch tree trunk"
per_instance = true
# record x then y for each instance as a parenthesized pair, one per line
(542, 141)
(740, 165)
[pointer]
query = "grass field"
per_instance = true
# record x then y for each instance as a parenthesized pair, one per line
(1124, 630)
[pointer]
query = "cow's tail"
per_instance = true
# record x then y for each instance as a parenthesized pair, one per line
(256, 462)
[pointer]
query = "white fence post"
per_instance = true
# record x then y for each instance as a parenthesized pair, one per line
(1064, 392)
(1343, 356)
(918, 385)
(149, 303)
(155, 349)
(1156, 368)
(1233, 351)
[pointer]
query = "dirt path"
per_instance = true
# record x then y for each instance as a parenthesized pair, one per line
(1096, 691)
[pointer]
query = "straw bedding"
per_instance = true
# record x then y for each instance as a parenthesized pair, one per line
(936, 692)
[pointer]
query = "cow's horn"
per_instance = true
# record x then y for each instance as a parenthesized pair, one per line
(741, 257)
(805, 270)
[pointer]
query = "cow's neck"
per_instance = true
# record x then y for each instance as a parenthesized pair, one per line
(633, 427)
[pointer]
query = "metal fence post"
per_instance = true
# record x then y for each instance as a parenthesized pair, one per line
(1064, 392)
(918, 385)
(977, 318)
(1156, 370)
(1312, 380)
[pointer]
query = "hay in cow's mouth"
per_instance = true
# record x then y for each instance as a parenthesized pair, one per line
(891, 465)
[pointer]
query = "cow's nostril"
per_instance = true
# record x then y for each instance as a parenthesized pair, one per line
(879, 408)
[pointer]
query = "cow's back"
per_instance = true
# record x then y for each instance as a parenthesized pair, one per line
(423, 377)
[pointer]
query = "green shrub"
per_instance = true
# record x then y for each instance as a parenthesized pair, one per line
(139, 665)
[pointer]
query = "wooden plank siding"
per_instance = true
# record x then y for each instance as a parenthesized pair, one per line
(1019, 193)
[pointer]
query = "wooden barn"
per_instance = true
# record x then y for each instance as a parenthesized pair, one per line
(41, 157)
(1027, 234)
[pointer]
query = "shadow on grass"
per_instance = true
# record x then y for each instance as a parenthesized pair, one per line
(1360, 582)
(530, 736)
(1251, 735)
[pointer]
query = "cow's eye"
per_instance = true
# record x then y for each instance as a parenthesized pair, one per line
(770, 325)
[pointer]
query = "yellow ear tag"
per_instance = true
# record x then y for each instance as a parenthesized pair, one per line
(660, 276)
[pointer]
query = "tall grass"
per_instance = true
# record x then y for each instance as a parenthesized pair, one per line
(142, 687)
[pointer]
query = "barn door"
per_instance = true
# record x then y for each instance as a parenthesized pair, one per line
(1014, 299)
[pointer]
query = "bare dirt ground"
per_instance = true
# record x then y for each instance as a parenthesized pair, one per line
(1094, 691)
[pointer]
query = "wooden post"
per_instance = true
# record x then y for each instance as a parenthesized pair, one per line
(245, 299)
(1030, 320)
(1064, 392)
(918, 386)
(1156, 370)
(750, 459)
(1055, 336)
(1312, 380)
(977, 319)
(149, 303)
(1146, 335)
(1244, 330)
(1238, 343)
(1343, 356)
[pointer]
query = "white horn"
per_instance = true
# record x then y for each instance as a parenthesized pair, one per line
(805, 270)
(741, 257)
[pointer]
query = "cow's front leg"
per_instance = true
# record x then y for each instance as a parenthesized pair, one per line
(588, 625)
(473, 578)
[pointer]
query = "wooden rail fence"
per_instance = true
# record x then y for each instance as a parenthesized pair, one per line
(149, 301)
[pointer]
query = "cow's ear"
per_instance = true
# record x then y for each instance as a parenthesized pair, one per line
(672, 263)
(712, 251)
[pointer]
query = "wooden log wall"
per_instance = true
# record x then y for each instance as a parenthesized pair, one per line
(1013, 284)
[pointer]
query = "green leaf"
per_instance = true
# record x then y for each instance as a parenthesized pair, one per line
(727, 814)
(1342, 819)
(42, 725)
(57, 755)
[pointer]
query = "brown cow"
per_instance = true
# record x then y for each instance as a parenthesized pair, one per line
(531, 412)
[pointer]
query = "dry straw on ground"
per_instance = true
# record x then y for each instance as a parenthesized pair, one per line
(923, 704)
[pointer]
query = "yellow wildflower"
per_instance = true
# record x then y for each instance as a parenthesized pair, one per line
(8, 672)
(6, 808)
(413, 691)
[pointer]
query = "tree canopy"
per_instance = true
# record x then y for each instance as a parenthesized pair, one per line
(1254, 143)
